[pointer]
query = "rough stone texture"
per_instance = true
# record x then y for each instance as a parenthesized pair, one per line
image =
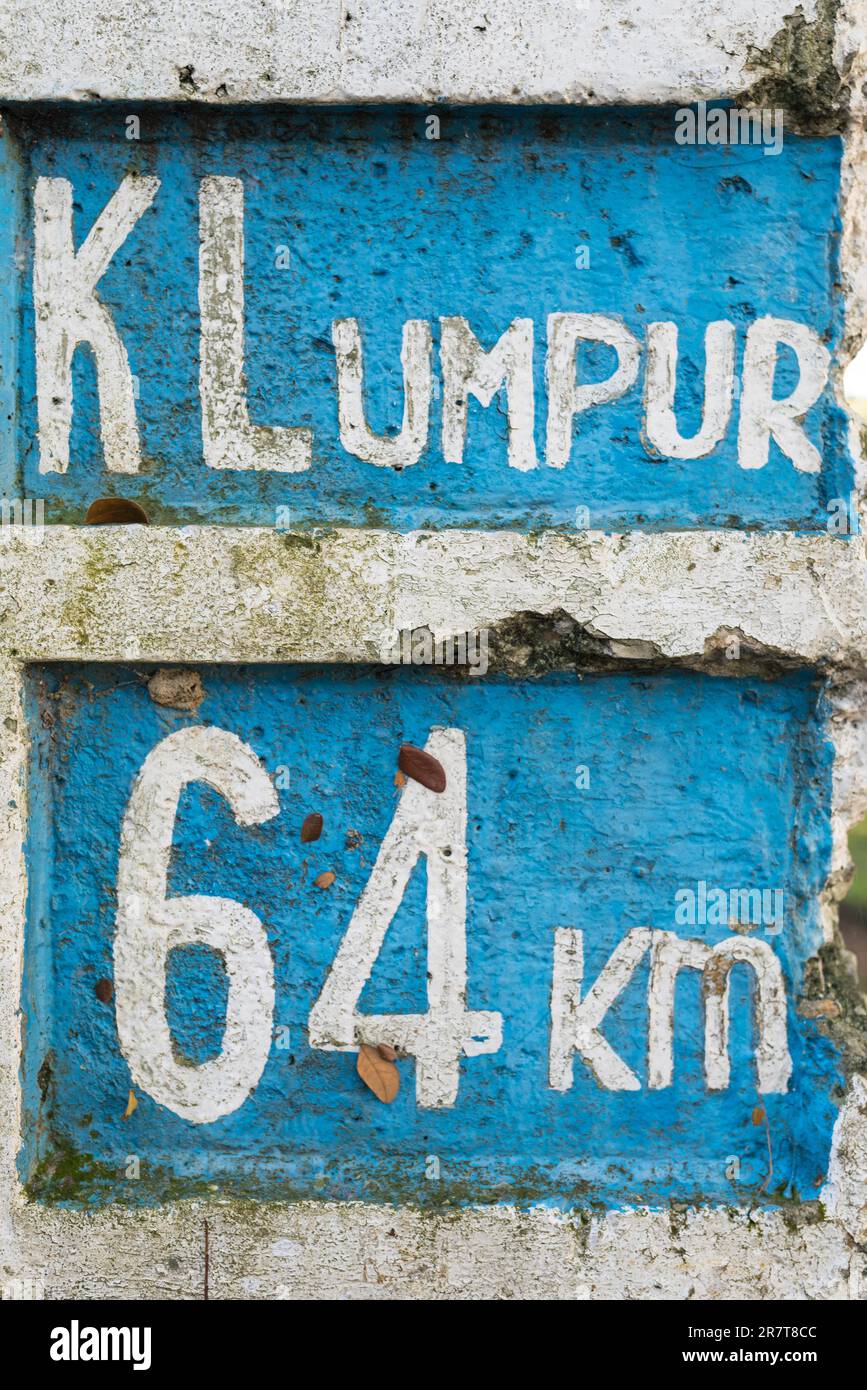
(395, 50)
(214, 595)
(254, 594)
(313, 1250)
(176, 689)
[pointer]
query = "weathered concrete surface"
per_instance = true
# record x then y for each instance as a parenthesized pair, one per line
(319, 1250)
(124, 595)
(251, 594)
(403, 50)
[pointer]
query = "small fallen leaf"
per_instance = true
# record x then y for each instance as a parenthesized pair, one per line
(131, 1105)
(115, 511)
(103, 989)
(386, 1052)
(380, 1075)
(177, 689)
(399, 779)
(325, 879)
(422, 767)
(758, 1115)
(311, 828)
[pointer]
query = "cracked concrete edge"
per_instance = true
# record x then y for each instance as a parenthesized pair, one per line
(212, 594)
(311, 1250)
(243, 594)
(805, 69)
(598, 52)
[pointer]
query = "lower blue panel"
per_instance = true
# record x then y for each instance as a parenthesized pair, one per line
(604, 804)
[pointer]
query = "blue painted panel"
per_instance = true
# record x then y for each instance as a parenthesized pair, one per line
(385, 225)
(740, 768)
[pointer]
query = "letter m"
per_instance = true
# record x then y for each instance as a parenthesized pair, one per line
(115, 1344)
(669, 954)
(68, 312)
(470, 371)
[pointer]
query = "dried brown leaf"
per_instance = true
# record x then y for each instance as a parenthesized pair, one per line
(131, 1105)
(378, 1073)
(115, 511)
(422, 767)
(758, 1115)
(311, 828)
(325, 880)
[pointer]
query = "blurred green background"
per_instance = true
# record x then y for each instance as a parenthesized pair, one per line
(853, 910)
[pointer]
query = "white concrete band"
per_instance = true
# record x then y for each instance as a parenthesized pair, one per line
(588, 51)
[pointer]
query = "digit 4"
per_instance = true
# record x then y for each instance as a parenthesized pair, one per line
(435, 825)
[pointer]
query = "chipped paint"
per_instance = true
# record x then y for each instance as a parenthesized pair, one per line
(804, 70)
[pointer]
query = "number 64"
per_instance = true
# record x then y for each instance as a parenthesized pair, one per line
(150, 924)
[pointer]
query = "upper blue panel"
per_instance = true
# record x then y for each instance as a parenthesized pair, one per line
(516, 213)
